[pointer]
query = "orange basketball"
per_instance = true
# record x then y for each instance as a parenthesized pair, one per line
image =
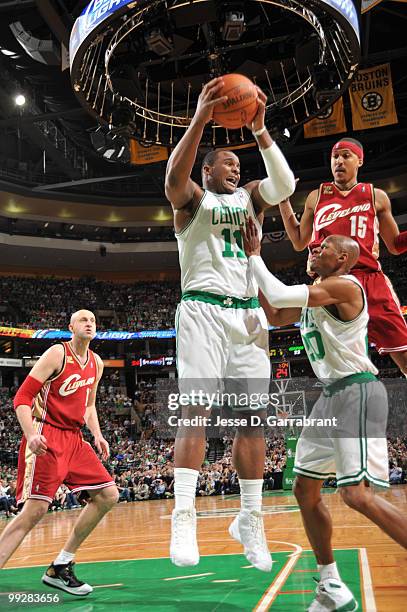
(240, 107)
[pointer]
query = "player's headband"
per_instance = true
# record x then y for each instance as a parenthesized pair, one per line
(352, 146)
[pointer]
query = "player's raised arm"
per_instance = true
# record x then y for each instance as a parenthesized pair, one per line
(48, 364)
(395, 241)
(279, 316)
(280, 181)
(299, 232)
(333, 290)
(179, 187)
(275, 292)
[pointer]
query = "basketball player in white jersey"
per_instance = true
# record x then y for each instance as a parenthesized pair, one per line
(334, 322)
(222, 331)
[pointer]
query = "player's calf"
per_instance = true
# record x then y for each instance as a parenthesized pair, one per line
(19, 527)
(378, 510)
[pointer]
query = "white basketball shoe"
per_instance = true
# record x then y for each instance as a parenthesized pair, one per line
(248, 529)
(333, 594)
(184, 547)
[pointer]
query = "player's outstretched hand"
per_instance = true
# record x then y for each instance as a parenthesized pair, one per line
(208, 98)
(37, 444)
(103, 447)
(258, 121)
(251, 240)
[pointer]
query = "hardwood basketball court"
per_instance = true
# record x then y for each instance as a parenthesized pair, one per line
(126, 560)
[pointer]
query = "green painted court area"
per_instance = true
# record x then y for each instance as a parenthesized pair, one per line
(294, 593)
(222, 582)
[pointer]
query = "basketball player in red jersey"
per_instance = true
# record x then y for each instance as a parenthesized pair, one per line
(361, 211)
(55, 400)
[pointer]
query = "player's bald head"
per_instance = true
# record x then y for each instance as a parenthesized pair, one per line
(345, 245)
(81, 313)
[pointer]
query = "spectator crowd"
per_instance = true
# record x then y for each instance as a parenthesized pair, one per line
(48, 302)
(40, 303)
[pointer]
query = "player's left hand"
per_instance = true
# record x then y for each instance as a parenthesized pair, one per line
(103, 447)
(251, 240)
(258, 121)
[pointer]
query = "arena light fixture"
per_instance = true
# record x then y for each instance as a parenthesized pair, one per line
(233, 26)
(153, 56)
(20, 100)
(110, 143)
(7, 52)
(158, 43)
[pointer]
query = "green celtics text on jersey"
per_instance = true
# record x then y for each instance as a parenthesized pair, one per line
(211, 253)
(336, 348)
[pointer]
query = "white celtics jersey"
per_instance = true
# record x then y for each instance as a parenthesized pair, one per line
(211, 253)
(336, 348)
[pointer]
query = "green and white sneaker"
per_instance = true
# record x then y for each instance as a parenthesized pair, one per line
(333, 594)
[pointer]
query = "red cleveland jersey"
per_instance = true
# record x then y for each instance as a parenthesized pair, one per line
(63, 398)
(354, 215)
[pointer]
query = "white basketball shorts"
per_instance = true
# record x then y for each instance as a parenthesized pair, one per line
(357, 449)
(222, 346)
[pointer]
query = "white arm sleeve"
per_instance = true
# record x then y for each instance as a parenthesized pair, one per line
(275, 292)
(280, 183)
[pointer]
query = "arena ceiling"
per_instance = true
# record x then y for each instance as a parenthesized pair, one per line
(46, 148)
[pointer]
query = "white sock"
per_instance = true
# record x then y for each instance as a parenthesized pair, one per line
(64, 558)
(328, 571)
(250, 494)
(185, 481)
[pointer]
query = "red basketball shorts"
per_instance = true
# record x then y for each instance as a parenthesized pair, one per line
(387, 328)
(69, 459)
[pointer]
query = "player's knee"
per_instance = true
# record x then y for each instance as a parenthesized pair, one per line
(107, 498)
(355, 497)
(32, 514)
(304, 492)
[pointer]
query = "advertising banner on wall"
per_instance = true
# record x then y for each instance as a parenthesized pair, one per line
(16, 332)
(7, 362)
(153, 361)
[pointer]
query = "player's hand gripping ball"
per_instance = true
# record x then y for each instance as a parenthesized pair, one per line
(240, 108)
